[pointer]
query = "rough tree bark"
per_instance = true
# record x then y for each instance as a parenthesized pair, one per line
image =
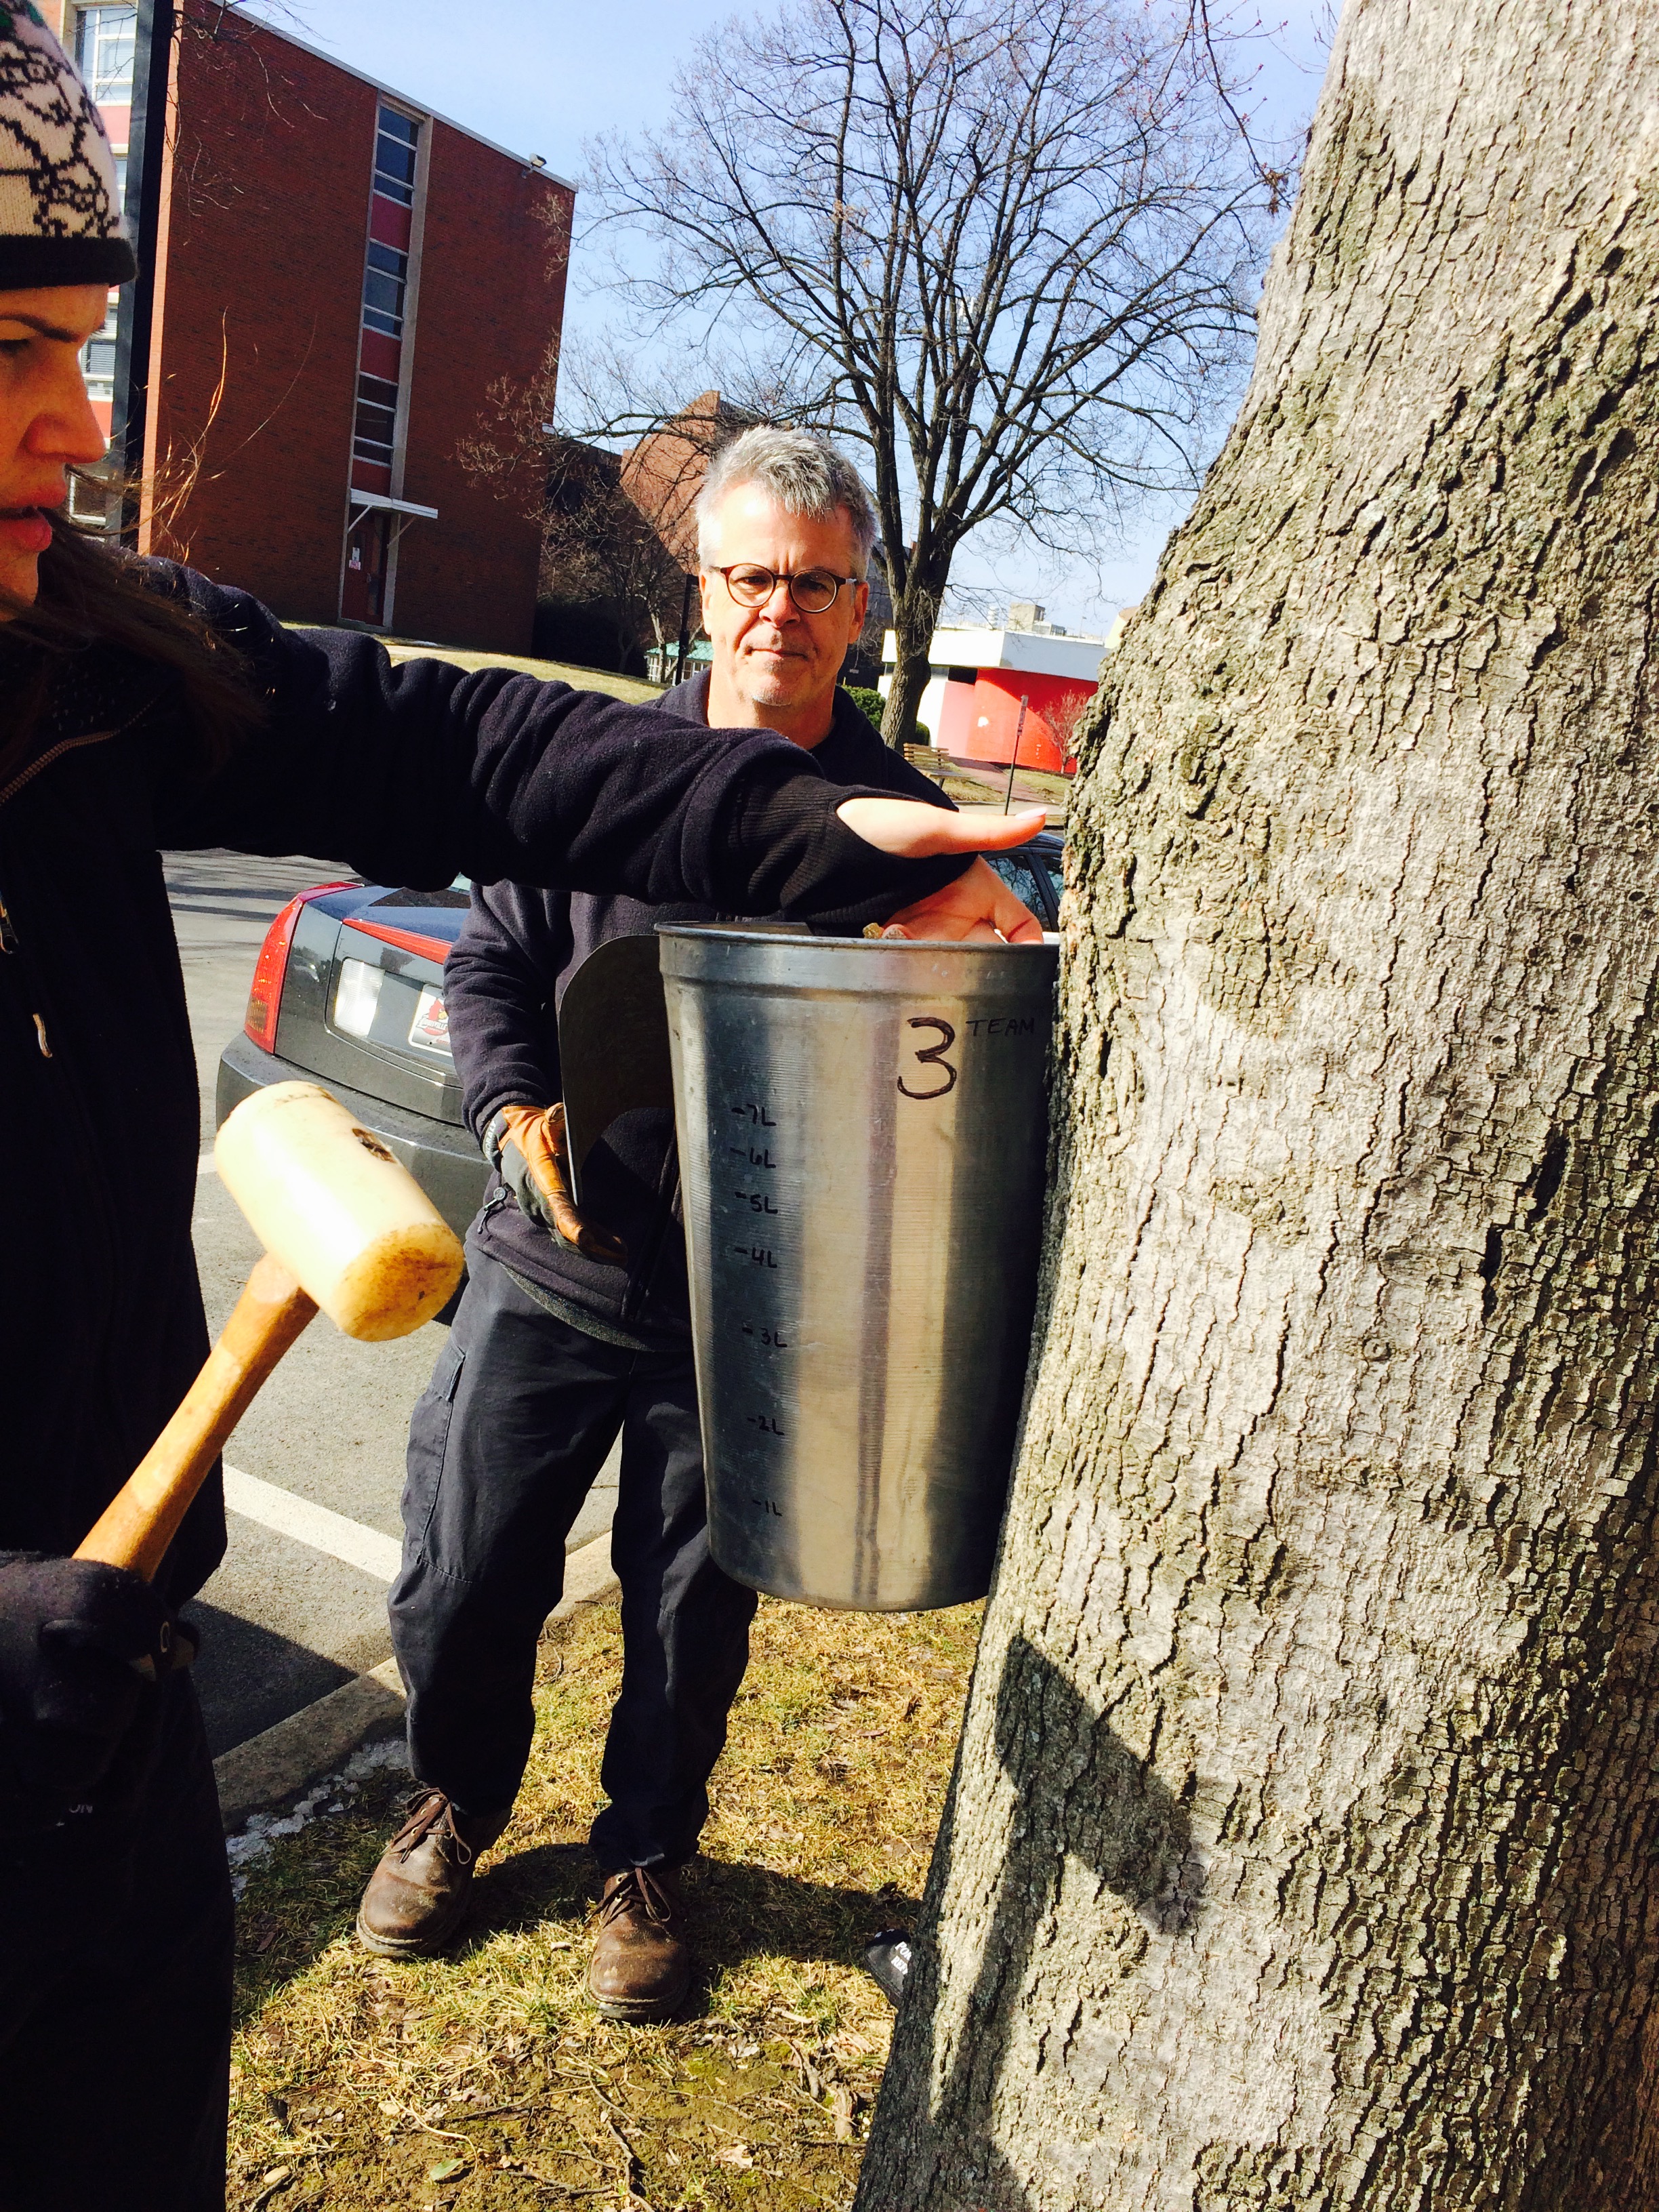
(1300, 1851)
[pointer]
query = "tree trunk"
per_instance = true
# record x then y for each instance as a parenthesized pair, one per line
(915, 611)
(1299, 1850)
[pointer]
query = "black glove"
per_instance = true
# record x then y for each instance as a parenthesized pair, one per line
(79, 1644)
(528, 1147)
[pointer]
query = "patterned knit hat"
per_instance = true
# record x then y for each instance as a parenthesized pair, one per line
(60, 218)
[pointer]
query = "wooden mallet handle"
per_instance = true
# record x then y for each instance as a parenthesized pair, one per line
(143, 1518)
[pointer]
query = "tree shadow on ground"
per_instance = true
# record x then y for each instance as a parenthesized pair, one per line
(737, 1912)
(1081, 1793)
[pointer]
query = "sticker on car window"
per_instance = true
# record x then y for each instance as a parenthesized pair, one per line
(429, 1030)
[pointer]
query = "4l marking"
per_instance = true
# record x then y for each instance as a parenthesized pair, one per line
(760, 1253)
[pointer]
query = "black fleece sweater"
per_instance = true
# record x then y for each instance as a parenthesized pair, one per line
(408, 775)
(503, 984)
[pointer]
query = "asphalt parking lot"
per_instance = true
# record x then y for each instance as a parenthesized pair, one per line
(314, 1473)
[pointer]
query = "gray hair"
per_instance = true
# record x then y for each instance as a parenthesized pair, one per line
(803, 472)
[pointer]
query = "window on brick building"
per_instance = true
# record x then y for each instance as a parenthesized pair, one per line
(395, 142)
(384, 282)
(104, 38)
(98, 358)
(374, 429)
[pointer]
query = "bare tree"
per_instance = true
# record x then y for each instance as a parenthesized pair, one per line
(1006, 243)
(597, 545)
(1302, 1846)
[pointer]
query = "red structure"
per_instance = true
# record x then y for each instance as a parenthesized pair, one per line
(979, 719)
(342, 279)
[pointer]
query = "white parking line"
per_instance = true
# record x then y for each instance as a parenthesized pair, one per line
(366, 1549)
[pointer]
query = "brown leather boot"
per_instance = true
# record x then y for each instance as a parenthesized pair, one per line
(416, 1897)
(641, 1968)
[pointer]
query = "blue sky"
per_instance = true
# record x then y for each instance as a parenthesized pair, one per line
(543, 79)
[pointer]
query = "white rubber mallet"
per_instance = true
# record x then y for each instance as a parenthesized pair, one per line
(345, 1228)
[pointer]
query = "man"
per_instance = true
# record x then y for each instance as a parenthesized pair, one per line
(141, 707)
(556, 1351)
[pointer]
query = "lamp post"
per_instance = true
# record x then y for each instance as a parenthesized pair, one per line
(1019, 731)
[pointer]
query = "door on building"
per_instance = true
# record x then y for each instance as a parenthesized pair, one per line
(367, 548)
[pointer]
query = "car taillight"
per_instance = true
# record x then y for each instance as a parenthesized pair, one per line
(264, 999)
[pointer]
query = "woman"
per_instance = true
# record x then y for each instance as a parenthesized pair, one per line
(142, 708)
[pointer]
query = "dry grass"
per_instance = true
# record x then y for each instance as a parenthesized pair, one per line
(483, 2079)
(559, 671)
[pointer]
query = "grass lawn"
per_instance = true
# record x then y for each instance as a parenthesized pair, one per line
(561, 671)
(483, 2081)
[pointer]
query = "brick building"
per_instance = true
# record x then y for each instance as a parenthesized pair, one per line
(342, 277)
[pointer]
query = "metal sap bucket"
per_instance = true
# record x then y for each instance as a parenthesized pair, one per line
(862, 1129)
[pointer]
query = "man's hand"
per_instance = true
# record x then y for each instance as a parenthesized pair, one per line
(978, 907)
(535, 1165)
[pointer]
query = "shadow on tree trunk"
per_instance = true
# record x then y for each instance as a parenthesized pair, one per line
(1080, 1793)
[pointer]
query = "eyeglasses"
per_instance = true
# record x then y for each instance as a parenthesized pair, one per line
(814, 593)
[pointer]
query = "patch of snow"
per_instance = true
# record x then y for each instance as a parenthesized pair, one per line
(329, 1797)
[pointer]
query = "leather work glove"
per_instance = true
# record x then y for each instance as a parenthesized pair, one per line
(534, 1159)
(79, 1643)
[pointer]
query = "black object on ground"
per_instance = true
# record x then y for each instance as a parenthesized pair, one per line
(887, 1955)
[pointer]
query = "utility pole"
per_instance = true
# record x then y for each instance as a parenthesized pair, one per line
(142, 209)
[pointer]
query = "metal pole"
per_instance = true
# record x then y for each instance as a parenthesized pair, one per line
(141, 207)
(1020, 730)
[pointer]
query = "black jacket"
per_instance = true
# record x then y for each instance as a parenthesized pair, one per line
(407, 775)
(503, 984)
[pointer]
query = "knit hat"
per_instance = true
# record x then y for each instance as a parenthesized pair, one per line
(60, 218)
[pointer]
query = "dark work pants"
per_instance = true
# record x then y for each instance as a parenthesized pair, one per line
(517, 1421)
(115, 1962)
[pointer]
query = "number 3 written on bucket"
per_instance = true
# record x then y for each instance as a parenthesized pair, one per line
(931, 1058)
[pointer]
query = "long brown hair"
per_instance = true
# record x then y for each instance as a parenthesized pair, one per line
(93, 591)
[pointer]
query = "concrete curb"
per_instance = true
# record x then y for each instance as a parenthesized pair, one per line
(279, 1762)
